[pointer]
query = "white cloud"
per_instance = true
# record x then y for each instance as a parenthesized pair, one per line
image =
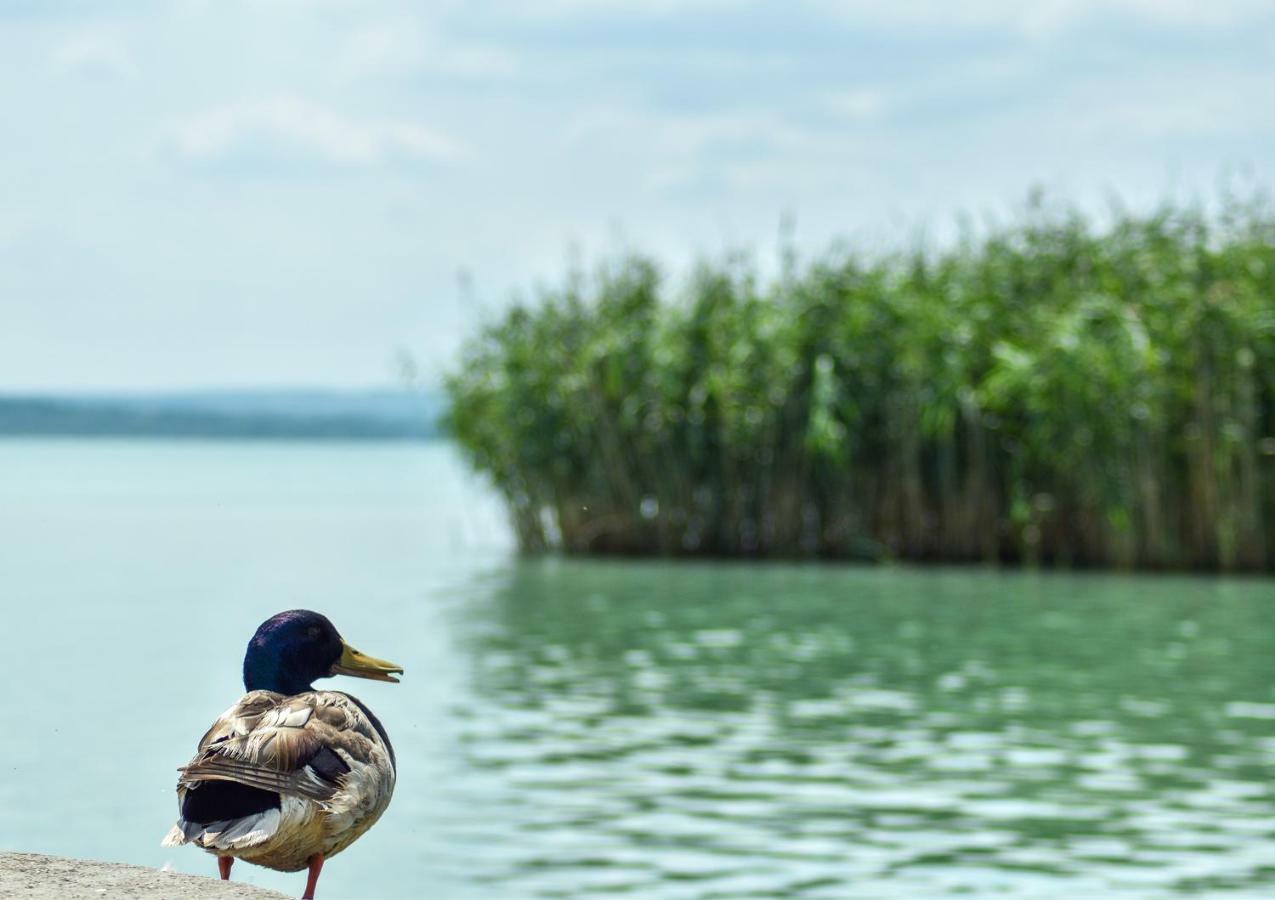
(94, 53)
(557, 10)
(395, 48)
(684, 136)
(1043, 17)
(291, 127)
(668, 153)
(1185, 13)
(858, 104)
(1168, 107)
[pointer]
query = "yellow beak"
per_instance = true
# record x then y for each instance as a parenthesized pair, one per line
(360, 665)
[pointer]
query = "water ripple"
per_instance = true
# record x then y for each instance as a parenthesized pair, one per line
(710, 733)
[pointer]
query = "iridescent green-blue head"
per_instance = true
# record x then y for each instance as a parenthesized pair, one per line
(294, 648)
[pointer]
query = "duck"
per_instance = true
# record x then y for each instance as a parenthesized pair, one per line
(289, 776)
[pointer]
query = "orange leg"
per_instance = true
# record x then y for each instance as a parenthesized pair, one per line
(223, 866)
(316, 866)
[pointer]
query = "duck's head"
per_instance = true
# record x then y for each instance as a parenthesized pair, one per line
(292, 649)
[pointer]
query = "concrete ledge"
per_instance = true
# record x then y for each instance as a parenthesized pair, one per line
(35, 875)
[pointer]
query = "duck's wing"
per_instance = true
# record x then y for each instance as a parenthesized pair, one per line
(286, 745)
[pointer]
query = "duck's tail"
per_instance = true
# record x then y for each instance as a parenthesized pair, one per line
(226, 834)
(224, 815)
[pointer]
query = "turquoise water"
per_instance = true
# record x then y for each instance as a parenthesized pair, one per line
(612, 728)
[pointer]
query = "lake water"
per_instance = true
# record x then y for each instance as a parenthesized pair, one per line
(598, 729)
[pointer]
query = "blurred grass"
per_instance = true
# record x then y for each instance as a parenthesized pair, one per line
(1051, 392)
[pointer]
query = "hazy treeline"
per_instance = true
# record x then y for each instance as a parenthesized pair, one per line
(1051, 392)
(301, 415)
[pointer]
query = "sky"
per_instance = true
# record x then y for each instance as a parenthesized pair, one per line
(286, 193)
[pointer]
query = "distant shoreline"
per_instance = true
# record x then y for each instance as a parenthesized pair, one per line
(384, 415)
(218, 438)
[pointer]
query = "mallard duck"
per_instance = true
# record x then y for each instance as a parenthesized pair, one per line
(289, 776)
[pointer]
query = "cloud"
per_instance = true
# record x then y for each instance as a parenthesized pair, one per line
(94, 53)
(858, 104)
(1042, 17)
(294, 129)
(396, 48)
(683, 136)
(567, 10)
(670, 154)
(1169, 107)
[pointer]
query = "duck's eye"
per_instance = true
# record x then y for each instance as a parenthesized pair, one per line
(312, 631)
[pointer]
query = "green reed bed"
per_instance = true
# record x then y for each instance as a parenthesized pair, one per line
(1052, 392)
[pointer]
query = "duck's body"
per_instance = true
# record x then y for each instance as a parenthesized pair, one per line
(282, 779)
(319, 764)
